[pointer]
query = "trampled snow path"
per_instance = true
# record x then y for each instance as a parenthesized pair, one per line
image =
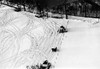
(81, 47)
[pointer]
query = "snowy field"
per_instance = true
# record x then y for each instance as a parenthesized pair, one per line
(79, 49)
(81, 46)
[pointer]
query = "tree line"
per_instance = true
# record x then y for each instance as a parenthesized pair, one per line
(41, 5)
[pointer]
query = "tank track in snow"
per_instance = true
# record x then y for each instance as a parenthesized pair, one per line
(40, 49)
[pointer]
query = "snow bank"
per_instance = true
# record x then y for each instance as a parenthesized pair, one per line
(90, 20)
(4, 7)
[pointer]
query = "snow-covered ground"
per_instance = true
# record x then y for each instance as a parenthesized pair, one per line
(22, 36)
(81, 47)
(87, 19)
(79, 50)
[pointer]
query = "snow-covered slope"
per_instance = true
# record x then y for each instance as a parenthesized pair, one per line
(31, 39)
(24, 33)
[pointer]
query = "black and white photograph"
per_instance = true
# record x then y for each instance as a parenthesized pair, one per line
(49, 34)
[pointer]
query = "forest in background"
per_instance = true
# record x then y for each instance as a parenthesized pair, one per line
(84, 8)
